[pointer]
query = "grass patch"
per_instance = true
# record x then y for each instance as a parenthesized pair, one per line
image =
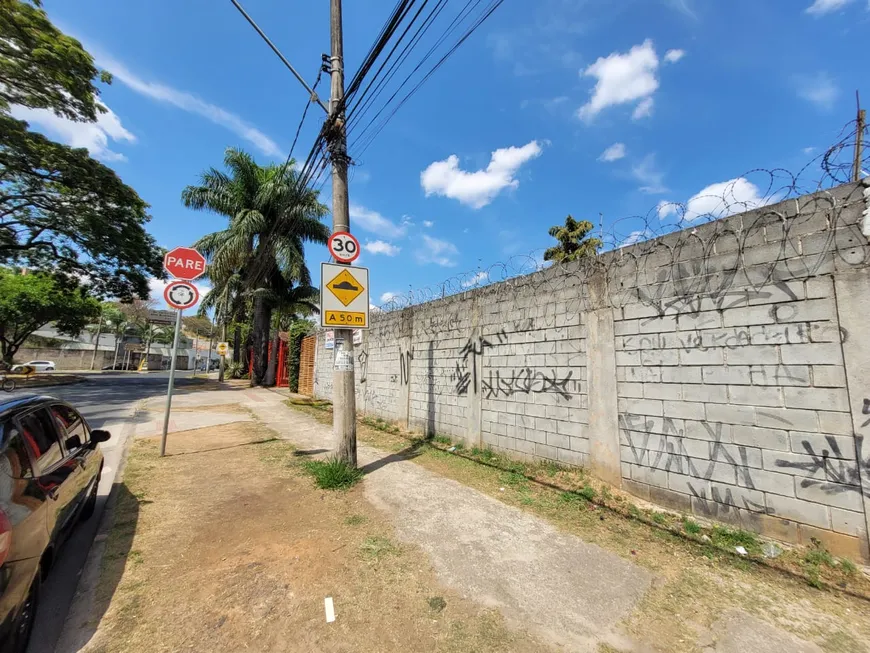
(442, 439)
(513, 479)
(332, 473)
(588, 492)
(691, 527)
(818, 556)
(729, 538)
(355, 520)
(436, 603)
(485, 455)
(375, 548)
(659, 518)
(848, 567)
(380, 424)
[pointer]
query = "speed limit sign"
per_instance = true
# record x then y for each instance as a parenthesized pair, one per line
(343, 247)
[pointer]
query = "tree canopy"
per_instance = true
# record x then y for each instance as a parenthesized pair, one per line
(43, 68)
(60, 209)
(30, 301)
(574, 241)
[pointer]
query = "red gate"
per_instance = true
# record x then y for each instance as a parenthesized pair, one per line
(282, 376)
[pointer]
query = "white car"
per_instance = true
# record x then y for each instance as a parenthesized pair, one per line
(39, 366)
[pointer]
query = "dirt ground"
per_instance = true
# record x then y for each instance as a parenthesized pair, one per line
(226, 545)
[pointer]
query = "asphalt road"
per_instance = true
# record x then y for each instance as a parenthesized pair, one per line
(107, 400)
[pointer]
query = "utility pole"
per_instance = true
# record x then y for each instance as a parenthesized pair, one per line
(859, 140)
(195, 352)
(223, 335)
(97, 341)
(343, 392)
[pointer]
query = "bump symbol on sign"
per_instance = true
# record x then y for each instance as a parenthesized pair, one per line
(345, 287)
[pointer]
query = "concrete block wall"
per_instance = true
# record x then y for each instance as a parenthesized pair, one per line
(721, 370)
(533, 385)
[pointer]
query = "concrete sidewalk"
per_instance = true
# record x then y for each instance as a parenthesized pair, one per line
(569, 592)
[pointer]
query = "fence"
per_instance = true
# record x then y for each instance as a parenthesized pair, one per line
(719, 370)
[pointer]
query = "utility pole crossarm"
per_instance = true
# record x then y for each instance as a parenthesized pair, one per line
(311, 91)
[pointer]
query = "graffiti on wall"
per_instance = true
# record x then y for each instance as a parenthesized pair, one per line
(465, 374)
(405, 358)
(524, 381)
(363, 359)
(665, 449)
(840, 475)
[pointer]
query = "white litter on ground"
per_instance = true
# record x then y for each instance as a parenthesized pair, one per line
(330, 609)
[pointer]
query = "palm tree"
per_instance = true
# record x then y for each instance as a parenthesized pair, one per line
(574, 241)
(271, 217)
(227, 302)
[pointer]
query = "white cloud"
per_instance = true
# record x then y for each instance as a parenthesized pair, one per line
(381, 247)
(478, 279)
(819, 89)
(683, 7)
(388, 297)
(94, 136)
(190, 103)
(665, 208)
(649, 175)
(643, 109)
(440, 252)
(633, 237)
(157, 286)
(808, 150)
(376, 223)
(428, 224)
(718, 201)
(613, 153)
(479, 188)
(822, 7)
(673, 56)
(622, 78)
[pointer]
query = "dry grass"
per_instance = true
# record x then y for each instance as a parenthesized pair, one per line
(697, 582)
(226, 545)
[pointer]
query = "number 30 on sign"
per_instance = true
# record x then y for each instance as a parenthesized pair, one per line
(343, 247)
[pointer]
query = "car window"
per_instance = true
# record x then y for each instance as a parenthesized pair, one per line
(14, 461)
(70, 422)
(39, 434)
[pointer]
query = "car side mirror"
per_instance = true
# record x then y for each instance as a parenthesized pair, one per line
(73, 442)
(99, 435)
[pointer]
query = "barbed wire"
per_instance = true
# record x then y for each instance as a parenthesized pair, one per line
(633, 237)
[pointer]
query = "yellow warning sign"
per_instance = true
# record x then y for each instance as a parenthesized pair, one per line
(345, 287)
(344, 318)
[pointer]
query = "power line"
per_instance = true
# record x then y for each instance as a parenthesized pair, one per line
(366, 137)
(278, 52)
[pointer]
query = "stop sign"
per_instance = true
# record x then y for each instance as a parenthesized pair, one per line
(184, 263)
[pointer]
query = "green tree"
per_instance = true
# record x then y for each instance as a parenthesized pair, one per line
(30, 301)
(199, 325)
(61, 210)
(43, 68)
(574, 241)
(271, 217)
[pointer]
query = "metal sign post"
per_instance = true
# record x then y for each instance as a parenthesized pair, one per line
(171, 382)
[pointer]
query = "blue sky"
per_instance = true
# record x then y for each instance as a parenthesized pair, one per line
(552, 107)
